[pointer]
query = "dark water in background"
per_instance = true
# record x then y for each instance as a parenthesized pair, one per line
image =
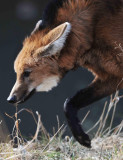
(17, 20)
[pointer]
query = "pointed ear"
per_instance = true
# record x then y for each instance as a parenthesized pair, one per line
(38, 24)
(56, 39)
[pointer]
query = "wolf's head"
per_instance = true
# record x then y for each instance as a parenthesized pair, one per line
(36, 65)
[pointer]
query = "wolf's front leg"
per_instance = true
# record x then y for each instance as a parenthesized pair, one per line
(97, 90)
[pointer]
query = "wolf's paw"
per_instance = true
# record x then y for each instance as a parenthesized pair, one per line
(83, 140)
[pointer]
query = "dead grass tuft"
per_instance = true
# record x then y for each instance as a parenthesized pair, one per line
(107, 143)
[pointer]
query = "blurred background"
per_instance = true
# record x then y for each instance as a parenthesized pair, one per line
(17, 20)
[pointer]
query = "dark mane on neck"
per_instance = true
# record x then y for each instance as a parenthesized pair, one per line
(51, 11)
(52, 8)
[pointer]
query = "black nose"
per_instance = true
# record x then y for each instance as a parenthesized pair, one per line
(12, 99)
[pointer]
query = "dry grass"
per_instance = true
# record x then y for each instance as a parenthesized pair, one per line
(106, 145)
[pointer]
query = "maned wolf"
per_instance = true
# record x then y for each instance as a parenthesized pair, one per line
(72, 34)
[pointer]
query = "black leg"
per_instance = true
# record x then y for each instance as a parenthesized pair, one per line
(75, 125)
(97, 90)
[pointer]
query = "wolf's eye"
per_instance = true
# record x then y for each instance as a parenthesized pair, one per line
(26, 73)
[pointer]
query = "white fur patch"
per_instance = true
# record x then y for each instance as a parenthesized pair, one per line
(37, 26)
(59, 43)
(16, 85)
(48, 84)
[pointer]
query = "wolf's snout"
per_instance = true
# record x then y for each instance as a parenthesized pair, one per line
(12, 99)
(20, 96)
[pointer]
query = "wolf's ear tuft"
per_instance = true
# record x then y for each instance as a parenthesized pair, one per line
(38, 24)
(56, 39)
